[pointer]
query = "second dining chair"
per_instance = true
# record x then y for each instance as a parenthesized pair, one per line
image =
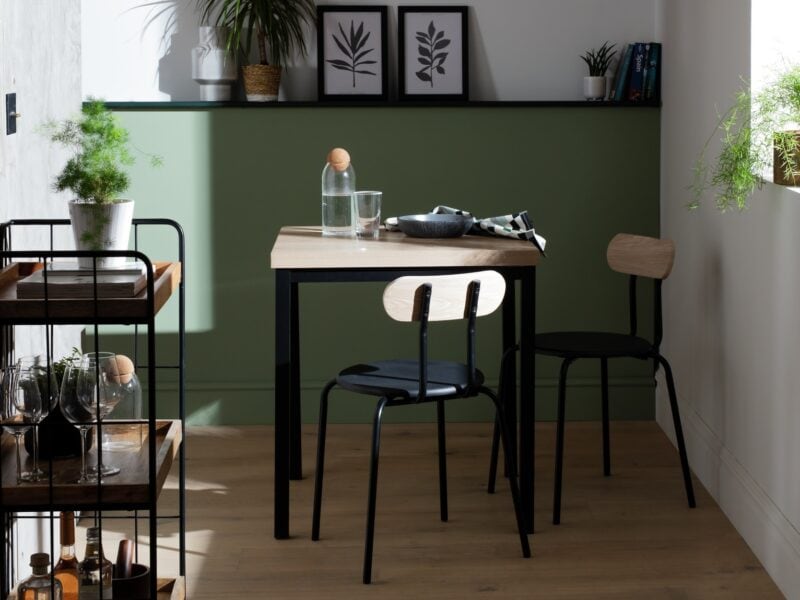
(401, 382)
(635, 256)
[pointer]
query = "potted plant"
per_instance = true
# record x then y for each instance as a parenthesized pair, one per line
(598, 61)
(758, 133)
(100, 219)
(277, 25)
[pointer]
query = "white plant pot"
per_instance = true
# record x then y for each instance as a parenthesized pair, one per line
(594, 88)
(213, 67)
(101, 227)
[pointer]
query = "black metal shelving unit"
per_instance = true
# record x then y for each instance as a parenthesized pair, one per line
(165, 439)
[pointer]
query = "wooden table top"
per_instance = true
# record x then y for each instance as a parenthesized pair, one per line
(303, 247)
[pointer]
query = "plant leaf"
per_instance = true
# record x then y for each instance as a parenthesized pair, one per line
(423, 51)
(422, 38)
(423, 75)
(363, 41)
(338, 63)
(343, 48)
(431, 30)
(343, 67)
(440, 69)
(424, 61)
(439, 58)
(361, 55)
(441, 44)
(366, 72)
(438, 36)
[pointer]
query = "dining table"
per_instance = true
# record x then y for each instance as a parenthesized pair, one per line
(301, 254)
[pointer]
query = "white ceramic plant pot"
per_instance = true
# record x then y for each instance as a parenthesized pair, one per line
(594, 88)
(101, 227)
(213, 67)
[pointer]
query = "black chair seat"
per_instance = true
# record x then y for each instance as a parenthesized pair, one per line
(592, 344)
(400, 379)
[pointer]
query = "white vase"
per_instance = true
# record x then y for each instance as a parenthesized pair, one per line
(594, 88)
(101, 227)
(213, 67)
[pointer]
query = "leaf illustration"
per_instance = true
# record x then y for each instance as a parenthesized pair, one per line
(429, 54)
(352, 45)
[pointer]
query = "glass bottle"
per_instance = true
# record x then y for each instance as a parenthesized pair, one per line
(130, 435)
(39, 586)
(66, 570)
(94, 571)
(338, 185)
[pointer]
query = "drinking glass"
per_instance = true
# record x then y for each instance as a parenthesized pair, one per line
(367, 206)
(35, 393)
(13, 422)
(98, 391)
(75, 412)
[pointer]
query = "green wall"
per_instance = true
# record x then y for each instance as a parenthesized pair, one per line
(234, 176)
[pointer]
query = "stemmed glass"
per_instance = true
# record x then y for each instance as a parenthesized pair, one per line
(13, 422)
(75, 412)
(35, 393)
(98, 390)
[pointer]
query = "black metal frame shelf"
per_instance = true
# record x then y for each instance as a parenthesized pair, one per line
(199, 105)
(138, 312)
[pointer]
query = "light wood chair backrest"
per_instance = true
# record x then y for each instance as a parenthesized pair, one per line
(641, 255)
(449, 295)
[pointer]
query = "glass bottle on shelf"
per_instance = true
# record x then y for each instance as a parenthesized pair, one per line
(128, 436)
(338, 185)
(66, 570)
(94, 570)
(39, 586)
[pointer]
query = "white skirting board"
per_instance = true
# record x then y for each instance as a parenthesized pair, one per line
(770, 535)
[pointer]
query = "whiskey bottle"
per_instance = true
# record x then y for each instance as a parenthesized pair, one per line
(39, 586)
(66, 570)
(94, 571)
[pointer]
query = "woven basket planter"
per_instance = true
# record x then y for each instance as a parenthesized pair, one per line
(261, 82)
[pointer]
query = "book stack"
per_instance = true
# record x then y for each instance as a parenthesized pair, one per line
(67, 280)
(638, 77)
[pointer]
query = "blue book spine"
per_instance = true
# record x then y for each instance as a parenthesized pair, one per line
(623, 70)
(636, 82)
(652, 76)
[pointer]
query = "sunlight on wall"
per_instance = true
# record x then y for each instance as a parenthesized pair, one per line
(774, 40)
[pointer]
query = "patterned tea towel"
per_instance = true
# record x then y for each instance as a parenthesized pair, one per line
(516, 225)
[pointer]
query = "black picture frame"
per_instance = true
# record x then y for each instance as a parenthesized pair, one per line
(347, 35)
(444, 75)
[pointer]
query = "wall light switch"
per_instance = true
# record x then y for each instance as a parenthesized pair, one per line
(11, 114)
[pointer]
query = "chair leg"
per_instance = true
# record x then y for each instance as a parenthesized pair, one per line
(373, 489)
(562, 393)
(676, 420)
(494, 456)
(512, 478)
(606, 442)
(442, 461)
(321, 432)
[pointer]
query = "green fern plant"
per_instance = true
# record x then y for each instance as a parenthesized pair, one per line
(752, 132)
(598, 60)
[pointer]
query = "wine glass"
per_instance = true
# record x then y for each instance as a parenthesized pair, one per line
(75, 412)
(35, 393)
(98, 390)
(13, 422)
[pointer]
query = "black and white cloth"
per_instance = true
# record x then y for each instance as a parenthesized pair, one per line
(516, 225)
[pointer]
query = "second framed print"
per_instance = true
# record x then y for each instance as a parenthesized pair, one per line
(432, 53)
(351, 53)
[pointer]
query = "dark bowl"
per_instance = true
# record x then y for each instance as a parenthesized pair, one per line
(434, 226)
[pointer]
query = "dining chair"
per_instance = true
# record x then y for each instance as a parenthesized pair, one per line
(402, 382)
(635, 256)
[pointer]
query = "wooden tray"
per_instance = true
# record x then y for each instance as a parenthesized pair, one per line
(81, 310)
(129, 488)
(169, 588)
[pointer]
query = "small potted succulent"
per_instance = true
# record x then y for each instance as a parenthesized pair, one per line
(598, 61)
(758, 134)
(101, 220)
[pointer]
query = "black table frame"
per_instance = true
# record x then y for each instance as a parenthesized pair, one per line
(288, 460)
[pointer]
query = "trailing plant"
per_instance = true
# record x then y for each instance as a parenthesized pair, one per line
(95, 172)
(276, 24)
(431, 54)
(352, 46)
(599, 60)
(753, 131)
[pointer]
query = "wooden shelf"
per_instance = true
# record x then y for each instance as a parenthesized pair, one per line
(117, 310)
(129, 489)
(169, 588)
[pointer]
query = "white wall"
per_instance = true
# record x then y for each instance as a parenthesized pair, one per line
(44, 70)
(732, 324)
(519, 49)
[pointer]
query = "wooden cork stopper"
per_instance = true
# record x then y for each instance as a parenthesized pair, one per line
(339, 159)
(123, 371)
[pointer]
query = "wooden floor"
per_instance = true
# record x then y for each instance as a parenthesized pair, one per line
(630, 535)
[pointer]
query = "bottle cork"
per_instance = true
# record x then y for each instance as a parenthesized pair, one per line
(339, 159)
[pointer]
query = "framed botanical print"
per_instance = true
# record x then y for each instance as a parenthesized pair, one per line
(351, 53)
(432, 52)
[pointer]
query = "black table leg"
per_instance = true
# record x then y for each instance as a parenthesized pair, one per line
(284, 351)
(527, 412)
(296, 452)
(509, 398)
